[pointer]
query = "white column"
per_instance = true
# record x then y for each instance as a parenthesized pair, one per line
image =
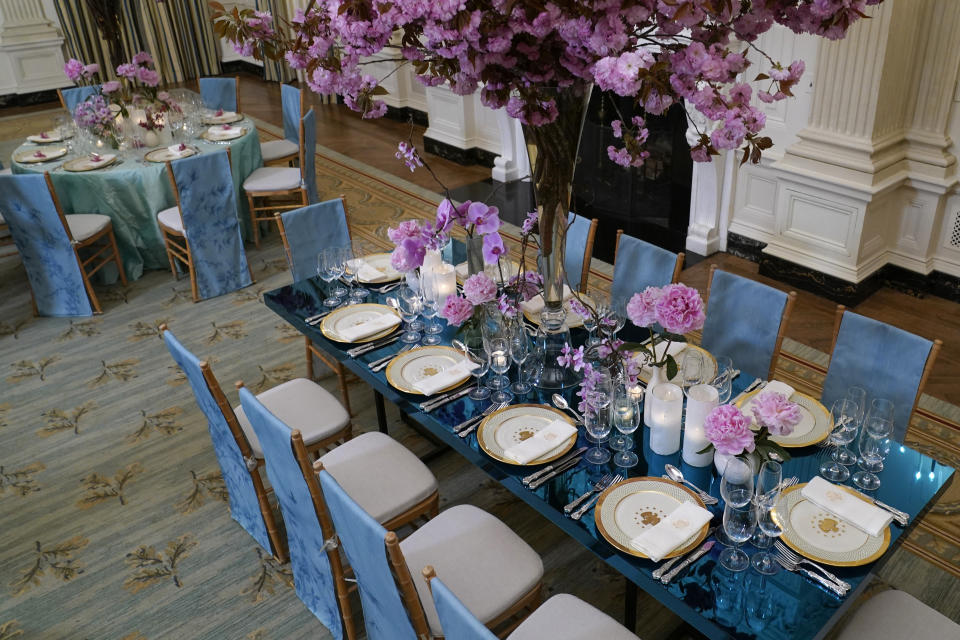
(31, 58)
(512, 163)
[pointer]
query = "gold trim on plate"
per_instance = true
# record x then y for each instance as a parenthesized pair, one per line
(645, 377)
(539, 461)
(194, 151)
(806, 443)
(206, 135)
(331, 335)
(398, 384)
(380, 282)
(76, 165)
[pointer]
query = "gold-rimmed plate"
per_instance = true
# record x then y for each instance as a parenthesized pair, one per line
(36, 156)
(381, 261)
(510, 269)
(815, 424)
(228, 117)
(86, 163)
(514, 424)
(709, 362)
(819, 535)
(353, 315)
(165, 155)
(224, 136)
(573, 319)
(52, 137)
(626, 509)
(410, 367)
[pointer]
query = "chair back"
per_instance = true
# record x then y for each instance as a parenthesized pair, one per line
(363, 540)
(73, 96)
(45, 245)
(455, 619)
(203, 186)
(229, 443)
(291, 104)
(308, 155)
(639, 264)
(308, 230)
(219, 93)
(886, 361)
(744, 321)
(312, 575)
(579, 250)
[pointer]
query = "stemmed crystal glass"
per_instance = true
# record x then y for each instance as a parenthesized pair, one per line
(767, 495)
(519, 352)
(724, 379)
(494, 327)
(327, 261)
(844, 416)
(410, 304)
(858, 397)
(882, 409)
(590, 324)
(351, 266)
(873, 435)
(431, 307)
(738, 523)
(499, 351)
(477, 354)
(736, 488)
(337, 267)
(691, 368)
(626, 418)
(598, 425)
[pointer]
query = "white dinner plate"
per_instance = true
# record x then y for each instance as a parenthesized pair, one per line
(815, 424)
(352, 315)
(514, 424)
(42, 154)
(381, 261)
(410, 367)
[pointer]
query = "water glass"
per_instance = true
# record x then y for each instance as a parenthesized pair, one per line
(499, 352)
(495, 327)
(724, 378)
(739, 523)
(519, 352)
(736, 485)
(858, 396)
(873, 435)
(327, 261)
(767, 495)
(880, 409)
(477, 354)
(626, 419)
(598, 427)
(410, 306)
(590, 324)
(338, 267)
(691, 368)
(843, 413)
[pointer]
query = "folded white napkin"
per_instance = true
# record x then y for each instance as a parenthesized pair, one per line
(846, 506)
(223, 131)
(534, 305)
(780, 387)
(449, 376)
(174, 149)
(104, 159)
(368, 273)
(226, 115)
(368, 327)
(671, 532)
(543, 441)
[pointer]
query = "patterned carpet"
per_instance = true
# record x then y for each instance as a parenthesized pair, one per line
(113, 512)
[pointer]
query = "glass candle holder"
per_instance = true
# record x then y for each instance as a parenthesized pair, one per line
(666, 417)
(701, 400)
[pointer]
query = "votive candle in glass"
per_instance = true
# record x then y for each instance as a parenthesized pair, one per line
(445, 279)
(666, 417)
(701, 400)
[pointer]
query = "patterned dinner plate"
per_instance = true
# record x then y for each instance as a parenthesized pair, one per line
(381, 261)
(817, 534)
(51, 137)
(573, 320)
(86, 163)
(224, 137)
(628, 508)
(410, 367)
(815, 425)
(708, 360)
(33, 156)
(510, 425)
(226, 118)
(164, 154)
(510, 269)
(352, 315)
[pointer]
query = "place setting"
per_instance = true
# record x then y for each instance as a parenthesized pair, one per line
(221, 116)
(222, 133)
(375, 269)
(172, 152)
(90, 162)
(52, 136)
(38, 156)
(534, 306)
(815, 423)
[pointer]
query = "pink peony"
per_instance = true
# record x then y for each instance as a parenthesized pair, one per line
(456, 310)
(90, 69)
(73, 69)
(680, 309)
(142, 57)
(729, 430)
(110, 86)
(775, 412)
(148, 77)
(642, 307)
(480, 288)
(404, 230)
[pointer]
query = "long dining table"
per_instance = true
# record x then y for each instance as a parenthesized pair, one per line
(715, 602)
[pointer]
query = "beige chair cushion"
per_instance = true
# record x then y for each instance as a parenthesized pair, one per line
(273, 149)
(896, 615)
(480, 559)
(272, 179)
(301, 404)
(401, 479)
(566, 617)
(170, 218)
(86, 225)
(6, 172)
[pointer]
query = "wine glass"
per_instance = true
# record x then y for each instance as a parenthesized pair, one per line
(499, 352)
(880, 409)
(350, 267)
(327, 260)
(843, 414)
(724, 378)
(858, 396)
(736, 485)
(337, 268)
(626, 418)
(598, 426)
(590, 324)
(691, 368)
(431, 307)
(874, 433)
(519, 352)
(767, 495)
(477, 354)
(618, 314)
(738, 523)
(495, 327)
(410, 305)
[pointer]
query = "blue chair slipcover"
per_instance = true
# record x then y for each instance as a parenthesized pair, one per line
(209, 210)
(48, 256)
(219, 93)
(362, 539)
(886, 361)
(311, 229)
(244, 505)
(312, 576)
(308, 170)
(290, 106)
(75, 95)
(578, 231)
(743, 320)
(639, 265)
(457, 621)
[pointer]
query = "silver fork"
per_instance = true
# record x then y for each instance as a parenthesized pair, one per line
(380, 363)
(388, 287)
(599, 485)
(476, 423)
(792, 557)
(829, 584)
(466, 423)
(579, 513)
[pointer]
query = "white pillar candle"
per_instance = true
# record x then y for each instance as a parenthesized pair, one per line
(701, 400)
(445, 281)
(666, 416)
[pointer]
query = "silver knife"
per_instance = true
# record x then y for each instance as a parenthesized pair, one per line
(456, 396)
(536, 474)
(666, 566)
(569, 464)
(371, 346)
(696, 555)
(753, 385)
(319, 316)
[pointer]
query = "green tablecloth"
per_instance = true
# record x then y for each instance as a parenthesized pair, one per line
(132, 192)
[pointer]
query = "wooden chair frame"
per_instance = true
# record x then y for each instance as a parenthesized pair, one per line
(335, 365)
(63, 103)
(96, 259)
(289, 158)
(7, 239)
(927, 368)
(678, 267)
(236, 87)
(176, 243)
(587, 254)
(784, 321)
(300, 192)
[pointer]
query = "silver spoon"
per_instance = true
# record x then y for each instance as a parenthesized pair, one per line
(457, 344)
(677, 476)
(392, 302)
(561, 403)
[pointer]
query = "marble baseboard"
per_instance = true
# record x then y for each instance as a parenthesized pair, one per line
(405, 114)
(28, 99)
(467, 157)
(241, 66)
(744, 247)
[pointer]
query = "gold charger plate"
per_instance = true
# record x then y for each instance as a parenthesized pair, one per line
(412, 366)
(165, 155)
(626, 509)
(84, 163)
(381, 261)
(819, 535)
(573, 320)
(206, 136)
(709, 361)
(814, 427)
(516, 423)
(510, 269)
(28, 156)
(52, 137)
(363, 312)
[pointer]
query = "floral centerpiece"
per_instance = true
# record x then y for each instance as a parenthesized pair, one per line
(79, 73)
(731, 432)
(95, 115)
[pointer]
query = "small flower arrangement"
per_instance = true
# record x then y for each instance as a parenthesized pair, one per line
(731, 432)
(677, 308)
(95, 116)
(79, 73)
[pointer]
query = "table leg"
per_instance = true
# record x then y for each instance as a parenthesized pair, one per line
(630, 606)
(381, 411)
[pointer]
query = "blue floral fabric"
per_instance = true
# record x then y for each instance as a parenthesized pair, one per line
(455, 619)
(886, 361)
(75, 95)
(45, 249)
(219, 93)
(290, 105)
(244, 505)
(309, 170)
(639, 265)
(578, 230)
(312, 577)
(311, 229)
(209, 211)
(362, 539)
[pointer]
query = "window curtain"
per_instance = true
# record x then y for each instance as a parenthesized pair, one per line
(180, 37)
(276, 71)
(82, 38)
